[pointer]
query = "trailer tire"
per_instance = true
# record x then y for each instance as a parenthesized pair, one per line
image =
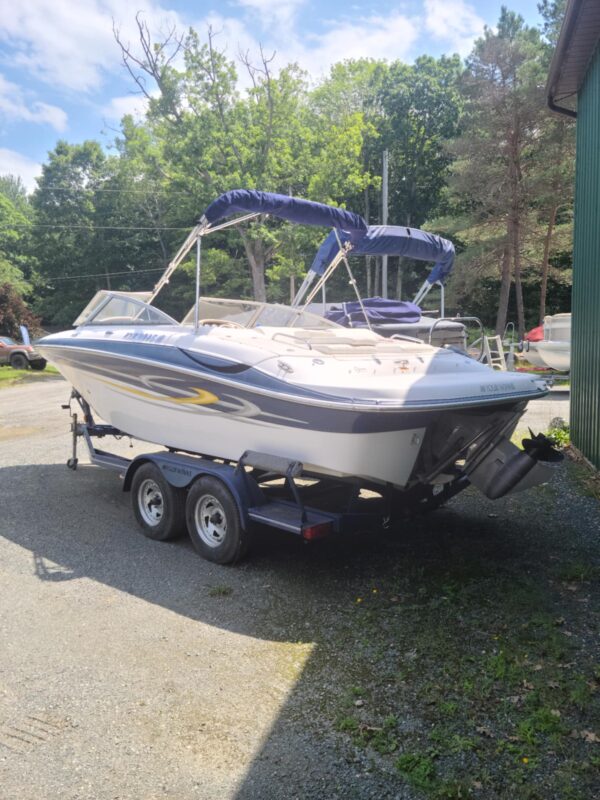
(159, 508)
(213, 522)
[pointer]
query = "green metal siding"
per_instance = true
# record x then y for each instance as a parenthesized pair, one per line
(585, 342)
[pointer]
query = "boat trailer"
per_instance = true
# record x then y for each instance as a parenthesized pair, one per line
(220, 503)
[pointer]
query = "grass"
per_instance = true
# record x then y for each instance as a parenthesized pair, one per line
(474, 669)
(10, 376)
(587, 478)
(511, 696)
(220, 591)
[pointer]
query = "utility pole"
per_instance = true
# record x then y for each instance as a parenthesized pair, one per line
(384, 218)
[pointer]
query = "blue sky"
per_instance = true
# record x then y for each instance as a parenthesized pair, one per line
(61, 74)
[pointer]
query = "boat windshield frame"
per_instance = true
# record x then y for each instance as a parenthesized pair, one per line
(256, 314)
(95, 313)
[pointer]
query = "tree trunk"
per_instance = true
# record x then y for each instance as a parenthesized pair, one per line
(255, 253)
(545, 261)
(518, 283)
(504, 289)
(399, 280)
(367, 213)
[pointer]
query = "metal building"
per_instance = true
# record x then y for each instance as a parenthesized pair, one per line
(574, 89)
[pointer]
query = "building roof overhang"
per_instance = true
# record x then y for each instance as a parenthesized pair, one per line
(576, 45)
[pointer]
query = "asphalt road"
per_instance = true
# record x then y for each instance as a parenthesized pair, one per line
(135, 670)
(539, 414)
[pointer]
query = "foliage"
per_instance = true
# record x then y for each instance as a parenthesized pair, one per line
(493, 177)
(66, 242)
(14, 312)
(473, 155)
(421, 104)
(15, 266)
(559, 433)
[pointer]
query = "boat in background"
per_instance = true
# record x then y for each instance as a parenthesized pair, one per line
(555, 349)
(529, 347)
(239, 375)
(550, 345)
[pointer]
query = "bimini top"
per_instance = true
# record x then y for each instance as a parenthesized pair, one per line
(294, 209)
(391, 240)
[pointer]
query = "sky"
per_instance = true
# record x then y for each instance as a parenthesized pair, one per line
(61, 75)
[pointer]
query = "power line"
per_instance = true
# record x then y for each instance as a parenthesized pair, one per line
(115, 191)
(98, 227)
(103, 274)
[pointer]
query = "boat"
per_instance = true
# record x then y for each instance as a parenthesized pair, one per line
(555, 348)
(550, 345)
(242, 375)
(529, 347)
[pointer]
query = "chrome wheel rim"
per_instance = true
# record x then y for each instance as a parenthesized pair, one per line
(211, 522)
(150, 502)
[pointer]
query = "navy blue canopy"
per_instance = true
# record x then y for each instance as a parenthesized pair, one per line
(391, 240)
(377, 310)
(291, 208)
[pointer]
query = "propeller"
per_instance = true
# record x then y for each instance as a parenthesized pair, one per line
(540, 448)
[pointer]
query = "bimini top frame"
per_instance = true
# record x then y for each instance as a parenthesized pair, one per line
(350, 234)
(380, 240)
(252, 204)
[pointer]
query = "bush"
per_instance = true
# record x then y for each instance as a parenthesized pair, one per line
(14, 312)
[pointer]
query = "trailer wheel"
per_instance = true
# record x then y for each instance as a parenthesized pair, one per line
(214, 523)
(159, 508)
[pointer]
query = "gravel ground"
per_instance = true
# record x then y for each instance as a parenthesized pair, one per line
(134, 670)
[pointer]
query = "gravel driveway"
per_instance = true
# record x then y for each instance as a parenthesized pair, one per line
(134, 670)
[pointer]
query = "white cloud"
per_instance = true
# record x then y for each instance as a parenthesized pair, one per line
(134, 104)
(273, 13)
(13, 163)
(455, 22)
(15, 107)
(71, 45)
(391, 37)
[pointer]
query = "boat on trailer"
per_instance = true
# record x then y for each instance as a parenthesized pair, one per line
(239, 376)
(549, 345)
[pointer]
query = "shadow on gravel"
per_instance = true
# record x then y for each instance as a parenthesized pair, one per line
(391, 615)
(81, 525)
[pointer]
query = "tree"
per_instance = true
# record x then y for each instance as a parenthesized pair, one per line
(553, 14)
(14, 312)
(216, 138)
(494, 176)
(16, 264)
(556, 153)
(421, 105)
(65, 237)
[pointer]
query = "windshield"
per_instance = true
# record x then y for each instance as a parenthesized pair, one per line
(7, 340)
(252, 314)
(117, 308)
